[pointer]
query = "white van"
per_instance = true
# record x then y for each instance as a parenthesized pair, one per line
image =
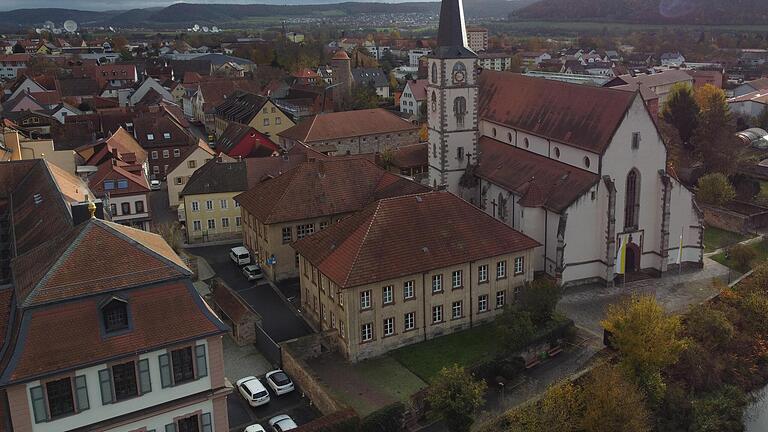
(240, 255)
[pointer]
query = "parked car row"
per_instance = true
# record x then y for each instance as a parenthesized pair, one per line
(242, 257)
(254, 392)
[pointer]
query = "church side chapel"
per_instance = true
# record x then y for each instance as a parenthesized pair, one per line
(580, 169)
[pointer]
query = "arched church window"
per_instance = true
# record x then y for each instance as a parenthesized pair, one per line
(632, 200)
(459, 73)
(434, 73)
(460, 110)
(502, 207)
(434, 102)
(557, 152)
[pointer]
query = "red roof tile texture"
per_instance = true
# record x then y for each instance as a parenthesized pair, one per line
(556, 185)
(397, 237)
(69, 335)
(347, 124)
(117, 257)
(581, 116)
(322, 188)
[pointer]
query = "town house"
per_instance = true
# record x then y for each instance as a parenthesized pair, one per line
(389, 276)
(102, 328)
(306, 199)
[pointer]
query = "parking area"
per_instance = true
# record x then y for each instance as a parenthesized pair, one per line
(293, 404)
(279, 320)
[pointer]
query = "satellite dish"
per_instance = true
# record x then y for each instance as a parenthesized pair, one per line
(111, 29)
(49, 25)
(196, 27)
(205, 29)
(215, 29)
(39, 30)
(56, 31)
(70, 26)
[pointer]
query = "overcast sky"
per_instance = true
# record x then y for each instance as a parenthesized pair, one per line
(101, 5)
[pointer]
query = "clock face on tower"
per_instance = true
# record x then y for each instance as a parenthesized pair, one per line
(459, 73)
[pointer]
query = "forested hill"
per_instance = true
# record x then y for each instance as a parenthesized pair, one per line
(710, 12)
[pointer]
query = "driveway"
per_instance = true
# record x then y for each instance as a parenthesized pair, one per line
(279, 320)
(158, 201)
(587, 305)
(241, 414)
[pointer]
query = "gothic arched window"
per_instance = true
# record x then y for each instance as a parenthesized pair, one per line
(434, 102)
(460, 110)
(632, 200)
(434, 73)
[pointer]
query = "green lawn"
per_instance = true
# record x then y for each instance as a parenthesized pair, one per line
(465, 348)
(760, 248)
(716, 238)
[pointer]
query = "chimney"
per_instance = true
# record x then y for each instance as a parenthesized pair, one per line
(114, 153)
(11, 140)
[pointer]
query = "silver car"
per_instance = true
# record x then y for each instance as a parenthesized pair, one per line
(253, 272)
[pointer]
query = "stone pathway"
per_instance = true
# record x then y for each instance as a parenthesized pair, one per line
(243, 361)
(586, 305)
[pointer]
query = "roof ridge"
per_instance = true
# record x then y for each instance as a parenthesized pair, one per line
(55, 264)
(362, 242)
(292, 178)
(109, 225)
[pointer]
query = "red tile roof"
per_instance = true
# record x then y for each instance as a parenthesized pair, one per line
(69, 335)
(346, 124)
(321, 188)
(397, 237)
(581, 116)
(94, 257)
(410, 156)
(418, 89)
(555, 185)
(109, 170)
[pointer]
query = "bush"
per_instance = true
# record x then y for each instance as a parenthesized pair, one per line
(540, 298)
(742, 257)
(721, 411)
(515, 329)
(387, 419)
(715, 189)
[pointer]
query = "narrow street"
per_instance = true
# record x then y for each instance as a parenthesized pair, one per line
(279, 319)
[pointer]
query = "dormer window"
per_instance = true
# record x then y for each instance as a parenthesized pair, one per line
(115, 315)
(167, 135)
(150, 137)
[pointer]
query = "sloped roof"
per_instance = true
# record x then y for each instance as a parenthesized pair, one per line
(345, 124)
(418, 88)
(109, 170)
(539, 180)
(398, 236)
(216, 177)
(581, 116)
(78, 87)
(67, 336)
(241, 106)
(239, 140)
(321, 188)
(414, 155)
(116, 257)
(362, 76)
(667, 77)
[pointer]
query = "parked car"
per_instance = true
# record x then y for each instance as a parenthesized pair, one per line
(282, 423)
(240, 255)
(154, 184)
(253, 272)
(253, 391)
(255, 428)
(279, 381)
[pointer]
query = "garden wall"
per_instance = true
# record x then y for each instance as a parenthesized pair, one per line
(736, 216)
(294, 354)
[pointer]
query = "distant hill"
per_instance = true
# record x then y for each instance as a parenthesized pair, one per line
(182, 14)
(709, 12)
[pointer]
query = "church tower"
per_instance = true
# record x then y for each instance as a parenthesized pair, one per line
(451, 101)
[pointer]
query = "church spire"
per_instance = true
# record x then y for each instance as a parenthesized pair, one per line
(452, 33)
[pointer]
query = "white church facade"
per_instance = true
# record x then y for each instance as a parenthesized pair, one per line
(578, 168)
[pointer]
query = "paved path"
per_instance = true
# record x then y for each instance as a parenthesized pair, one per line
(279, 319)
(586, 305)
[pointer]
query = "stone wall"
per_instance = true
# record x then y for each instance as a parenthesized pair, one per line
(294, 353)
(725, 219)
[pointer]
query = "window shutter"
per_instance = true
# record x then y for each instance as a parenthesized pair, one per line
(81, 393)
(38, 404)
(145, 382)
(170, 427)
(105, 382)
(202, 367)
(206, 421)
(165, 372)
